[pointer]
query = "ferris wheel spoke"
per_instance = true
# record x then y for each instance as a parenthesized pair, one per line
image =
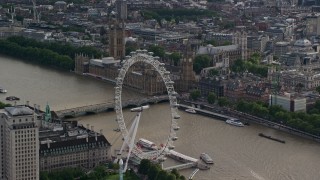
(143, 56)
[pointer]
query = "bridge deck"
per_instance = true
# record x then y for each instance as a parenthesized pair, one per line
(101, 107)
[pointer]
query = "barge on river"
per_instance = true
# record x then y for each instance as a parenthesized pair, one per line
(272, 138)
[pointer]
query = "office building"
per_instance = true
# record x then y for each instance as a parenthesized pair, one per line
(19, 143)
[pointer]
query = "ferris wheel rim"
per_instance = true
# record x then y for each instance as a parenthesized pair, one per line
(146, 57)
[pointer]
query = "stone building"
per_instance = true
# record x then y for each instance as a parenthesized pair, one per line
(32, 141)
(240, 39)
(293, 79)
(256, 93)
(221, 54)
(117, 39)
(257, 43)
(288, 102)
(313, 25)
(234, 90)
(187, 74)
(72, 146)
(19, 143)
(301, 53)
(280, 48)
(121, 6)
(215, 85)
(140, 77)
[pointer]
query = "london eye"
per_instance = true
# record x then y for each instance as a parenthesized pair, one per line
(143, 56)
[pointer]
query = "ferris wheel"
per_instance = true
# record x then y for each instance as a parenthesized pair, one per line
(143, 56)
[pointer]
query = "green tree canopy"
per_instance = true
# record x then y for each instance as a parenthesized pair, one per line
(200, 62)
(153, 172)
(144, 166)
(157, 50)
(3, 105)
(318, 89)
(213, 72)
(195, 94)
(223, 101)
(211, 98)
(175, 57)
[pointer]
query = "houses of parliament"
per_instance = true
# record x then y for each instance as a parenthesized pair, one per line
(141, 77)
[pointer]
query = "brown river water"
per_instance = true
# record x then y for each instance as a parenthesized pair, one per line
(238, 153)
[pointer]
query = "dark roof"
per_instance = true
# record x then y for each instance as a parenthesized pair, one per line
(75, 142)
(255, 90)
(233, 85)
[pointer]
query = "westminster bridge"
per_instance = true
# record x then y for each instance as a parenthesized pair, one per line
(108, 106)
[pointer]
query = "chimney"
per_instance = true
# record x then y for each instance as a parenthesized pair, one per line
(88, 127)
(35, 108)
(92, 128)
(38, 108)
(101, 131)
(27, 103)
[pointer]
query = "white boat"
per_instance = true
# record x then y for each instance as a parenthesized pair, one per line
(176, 128)
(235, 122)
(3, 90)
(146, 144)
(191, 110)
(206, 158)
(177, 116)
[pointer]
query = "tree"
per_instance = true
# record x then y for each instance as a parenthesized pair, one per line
(129, 49)
(195, 94)
(162, 175)
(176, 173)
(175, 57)
(157, 50)
(223, 101)
(3, 105)
(211, 97)
(144, 166)
(171, 177)
(212, 42)
(153, 172)
(238, 66)
(200, 62)
(44, 176)
(255, 58)
(318, 89)
(100, 172)
(213, 72)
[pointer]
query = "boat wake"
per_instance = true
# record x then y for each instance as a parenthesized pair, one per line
(257, 176)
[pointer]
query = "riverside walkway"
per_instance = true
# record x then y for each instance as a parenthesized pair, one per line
(108, 106)
(222, 113)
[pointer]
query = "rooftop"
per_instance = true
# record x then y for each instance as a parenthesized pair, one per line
(19, 110)
(70, 134)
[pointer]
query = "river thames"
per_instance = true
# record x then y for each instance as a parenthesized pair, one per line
(238, 153)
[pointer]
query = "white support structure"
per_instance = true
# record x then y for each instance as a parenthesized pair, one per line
(130, 139)
(146, 57)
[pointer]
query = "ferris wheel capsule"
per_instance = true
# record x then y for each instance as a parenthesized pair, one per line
(145, 57)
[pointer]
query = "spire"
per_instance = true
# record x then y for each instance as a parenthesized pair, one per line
(47, 116)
